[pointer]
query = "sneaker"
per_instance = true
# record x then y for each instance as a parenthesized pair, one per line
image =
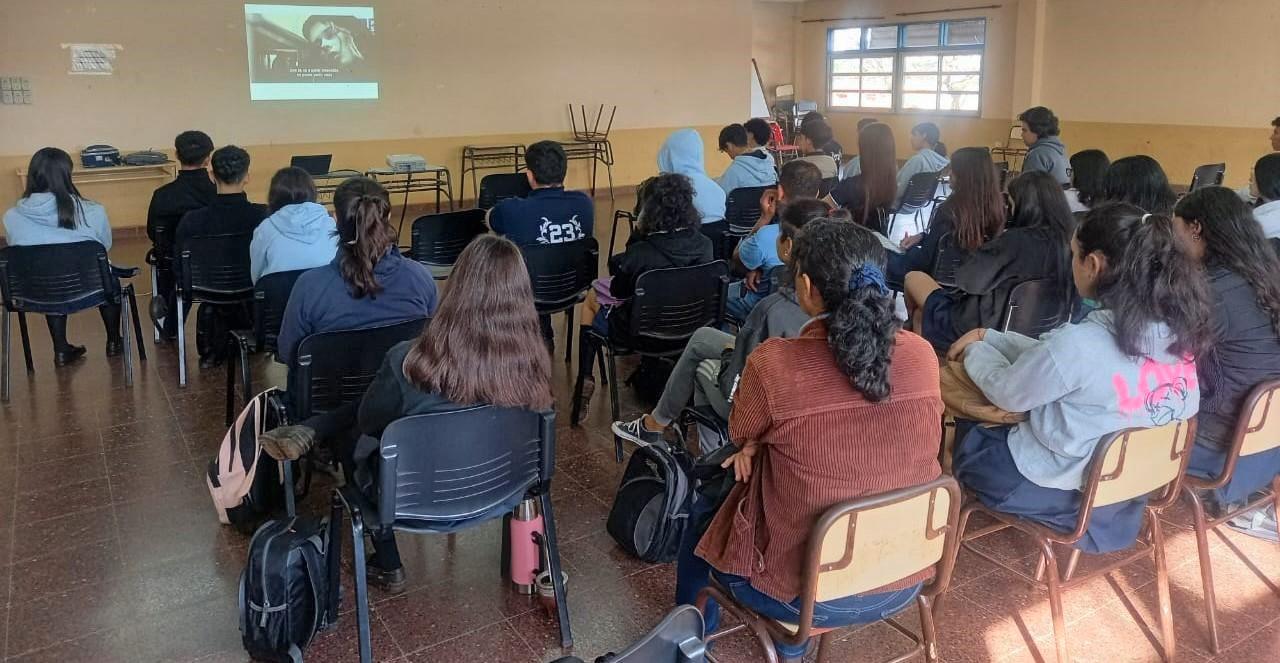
(635, 432)
(1260, 524)
(288, 442)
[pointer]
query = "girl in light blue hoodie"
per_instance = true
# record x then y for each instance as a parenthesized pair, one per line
(682, 154)
(930, 156)
(52, 211)
(299, 234)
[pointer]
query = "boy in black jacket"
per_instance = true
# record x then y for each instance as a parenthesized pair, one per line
(190, 190)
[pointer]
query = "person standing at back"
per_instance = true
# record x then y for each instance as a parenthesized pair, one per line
(192, 189)
(549, 214)
(749, 167)
(1045, 151)
(229, 213)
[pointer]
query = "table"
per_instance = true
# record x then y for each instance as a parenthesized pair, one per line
(327, 183)
(431, 178)
(162, 171)
(488, 157)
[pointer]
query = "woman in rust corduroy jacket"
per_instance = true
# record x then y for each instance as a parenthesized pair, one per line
(849, 408)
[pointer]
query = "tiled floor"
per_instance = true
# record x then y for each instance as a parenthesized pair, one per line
(110, 550)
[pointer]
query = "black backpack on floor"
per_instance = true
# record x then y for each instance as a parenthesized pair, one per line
(651, 509)
(289, 588)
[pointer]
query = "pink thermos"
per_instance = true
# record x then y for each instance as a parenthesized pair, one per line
(526, 535)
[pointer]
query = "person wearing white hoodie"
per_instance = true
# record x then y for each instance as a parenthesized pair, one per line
(930, 156)
(299, 234)
(1266, 188)
(52, 211)
(750, 167)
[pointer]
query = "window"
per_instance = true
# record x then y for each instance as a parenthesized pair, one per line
(914, 67)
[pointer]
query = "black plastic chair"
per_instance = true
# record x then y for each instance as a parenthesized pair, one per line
(827, 185)
(217, 273)
(724, 238)
(1035, 308)
(438, 239)
(922, 188)
(678, 638)
(742, 208)
(621, 215)
(1208, 175)
(947, 261)
(159, 256)
(669, 305)
(64, 279)
(270, 296)
(498, 187)
(441, 472)
(561, 274)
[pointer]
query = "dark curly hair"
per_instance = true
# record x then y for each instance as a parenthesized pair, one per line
(230, 164)
(1147, 279)
(1233, 240)
(666, 204)
(1040, 121)
(861, 328)
(1139, 180)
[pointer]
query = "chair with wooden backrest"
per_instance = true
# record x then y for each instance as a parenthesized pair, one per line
(858, 546)
(1126, 465)
(1257, 431)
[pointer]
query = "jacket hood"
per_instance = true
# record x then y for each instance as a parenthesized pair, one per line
(40, 209)
(1050, 143)
(1268, 215)
(682, 153)
(757, 163)
(303, 222)
(933, 161)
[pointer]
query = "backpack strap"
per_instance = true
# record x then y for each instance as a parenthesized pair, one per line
(295, 654)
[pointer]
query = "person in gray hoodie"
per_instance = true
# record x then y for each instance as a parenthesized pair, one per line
(1128, 364)
(299, 234)
(52, 211)
(1045, 151)
(750, 167)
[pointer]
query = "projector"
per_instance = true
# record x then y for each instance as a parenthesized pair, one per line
(406, 162)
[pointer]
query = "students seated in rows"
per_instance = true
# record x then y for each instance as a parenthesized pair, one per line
(1125, 365)
(849, 408)
(1266, 188)
(1045, 151)
(759, 133)
(831, 147)
(1247, 193)
(869, 195)
(750, 167)
(230, 212)
(971, 215)
(550, 214)
(368, 284)
(854, 166)
(667, 235)
(1035, 246)
(482, 347)
(758, 251)
(192, 189)
(681, 154)
(1088, 179)
(52, 211)
(810, 141)
(299, 234)
(702, 374)
(930, 155)
(1219, 234)
(1140, 181)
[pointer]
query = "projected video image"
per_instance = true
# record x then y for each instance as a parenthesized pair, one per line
(311, 52)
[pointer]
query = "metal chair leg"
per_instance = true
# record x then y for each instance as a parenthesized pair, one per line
(4, 358)
(605, 376)
(286, 473)
(155, 292)
(568, 334)
(137, 321)
(246, 379)
(1201, 527)
(182, 345)
(557, 576)
(928, 629)
(612, 366)
(1055, 602)
(231, 382)
(362, 589)
(1168, 639)
(126, 342)
(26, 341)
(584, 369)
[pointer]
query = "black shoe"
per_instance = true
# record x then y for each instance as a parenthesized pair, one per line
(391, 582)
(210, 362)
(71, 354)
(115, 347)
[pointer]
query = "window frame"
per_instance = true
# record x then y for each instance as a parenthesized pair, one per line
(898, 53)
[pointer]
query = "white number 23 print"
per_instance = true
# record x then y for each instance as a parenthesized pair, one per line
(551, 232)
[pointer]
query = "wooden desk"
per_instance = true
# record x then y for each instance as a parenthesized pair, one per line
(161, 171)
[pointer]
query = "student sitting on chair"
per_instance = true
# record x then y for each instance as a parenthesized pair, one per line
(667, 235)
(869, 195)
(1126, 365)
(1045, 151)
(52, 211)
(854, 167)
(1140, 181)
(759, 133)
(368, 284)
(1247, 193)
(192, 189)
(682, 154)
(758, 251)
(550, 214)
(482, 347)
(849, 408)
(810, 141)
(1266, 188)
(229, 212)
(750, 167)
(1088, 179)
(971, 215)
(701, 374)
(299, 234)
(1219, 233)
(831, 147)
(930, 156)
(1035, 246)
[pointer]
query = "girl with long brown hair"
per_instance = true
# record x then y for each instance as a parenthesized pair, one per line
(869, 195)
(483, 346)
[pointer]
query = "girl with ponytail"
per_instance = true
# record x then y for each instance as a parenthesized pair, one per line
(849, 408)
(1128, 364)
